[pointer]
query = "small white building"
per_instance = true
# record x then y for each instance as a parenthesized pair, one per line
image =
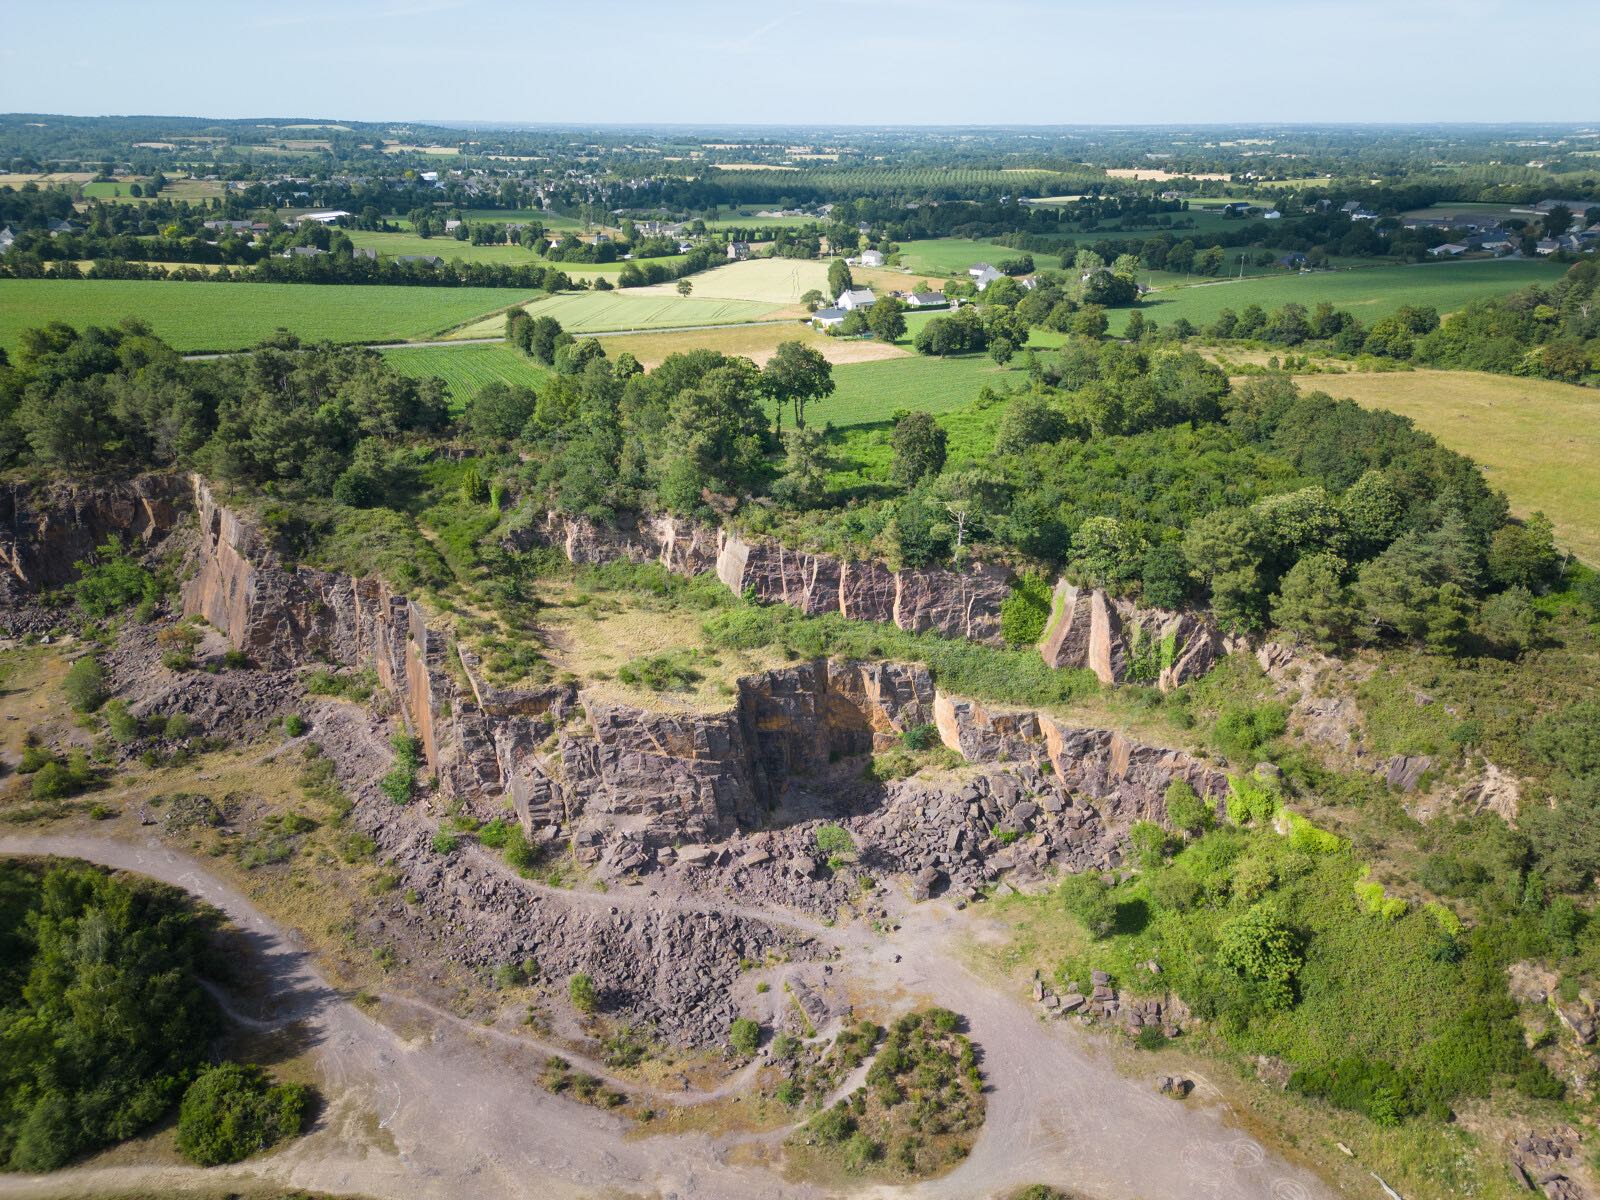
(872, 258)
(983, 274)
(853, 298)
(738, 251)
(325, 218)
(827, 318)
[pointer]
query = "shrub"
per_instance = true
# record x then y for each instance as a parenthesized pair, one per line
(1026, 611)
(745, 1037)
(1251, 801)
(1307, 838)
(920, 737)
(1150, 1038)
(231, 1111)
(1088, 899)
(445, 843)
(1259, 948)
(294, 725)
(834, 840)
(85, 685)
(1242, 732)
(1186, 811)
(581, 989)
(112, 581)
(833, 1125)
(123, 726)
(235, 660)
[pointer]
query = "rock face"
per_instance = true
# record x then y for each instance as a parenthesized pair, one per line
(630, 785)
(1116, 639)
(1120, 641)
(45, 531)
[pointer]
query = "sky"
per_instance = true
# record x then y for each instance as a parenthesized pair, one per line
(857, 62)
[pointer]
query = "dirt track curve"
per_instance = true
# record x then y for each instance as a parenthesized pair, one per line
(461, 1116)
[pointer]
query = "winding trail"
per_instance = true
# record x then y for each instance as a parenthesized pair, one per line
(459, 1119)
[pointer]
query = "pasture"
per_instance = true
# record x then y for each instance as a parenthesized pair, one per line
(448, 248)
(1537, 441)
(943, 257)
(233, 316)
(611, 312)
(776, 281)
(466, 369)
(1370, 292)
(870, 393)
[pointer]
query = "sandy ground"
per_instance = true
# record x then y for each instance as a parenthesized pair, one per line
(454, 1113)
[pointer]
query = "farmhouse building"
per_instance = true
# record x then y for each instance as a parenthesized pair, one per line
(983, 274)
(926, 300)
(827, 318)
(424, 260)
(1449, 250)
(303, 252)
(1293, 260)
(853, 298)
(872, 258)
(325, 218)
(738, 251)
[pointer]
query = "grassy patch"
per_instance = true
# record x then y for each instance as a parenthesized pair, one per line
(234, 316)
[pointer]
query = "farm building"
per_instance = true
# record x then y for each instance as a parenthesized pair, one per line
(827, 318)
(1449, 250)
(303, 252)
(853, 298)
(926, 300)
(872, 258)
(426, 260)
(738, 251)
(325, 218)
(1294, 260)
(983, 274)
(6, 239)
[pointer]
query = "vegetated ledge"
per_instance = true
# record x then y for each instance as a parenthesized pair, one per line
(1116, 639)
(624, 784)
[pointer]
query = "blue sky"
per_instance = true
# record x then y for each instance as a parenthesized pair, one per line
(825, 61)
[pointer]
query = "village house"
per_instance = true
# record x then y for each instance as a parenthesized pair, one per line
(424, 260)
(1449, 250)
(738, 251)
(872, 258)
(325, 218)
(7, 238)
(983, 274)
(827, 318)
(853, 298)
(303, 252)
(925, 300)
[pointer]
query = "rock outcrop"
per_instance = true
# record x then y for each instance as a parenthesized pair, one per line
(1120, 641)
(46, 530)
(1116, 639)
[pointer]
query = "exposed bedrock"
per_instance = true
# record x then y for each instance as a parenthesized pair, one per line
(45, 530)
(1118, 640)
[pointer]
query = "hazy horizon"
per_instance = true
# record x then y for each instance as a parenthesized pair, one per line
(939, 63)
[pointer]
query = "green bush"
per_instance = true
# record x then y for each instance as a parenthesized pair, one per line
(1251, 801)
(232, 1111)
(123, 726)
(1088, 899)
(1244, 732)
(1259, 948)
(1026, 611)
(445, 843)
(1186, 810)
(294, 725)
(112, 581)
(834, 841)
(745, 1037)
(581, 990)
(85, 685)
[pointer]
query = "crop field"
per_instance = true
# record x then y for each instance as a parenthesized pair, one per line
(233, 316)
(466, 369)
(1370, 293)
(610, 312)
(889, 179)
(390, 244)
(765, 280)
(502, 216)
(755, 342)
(1538, 441)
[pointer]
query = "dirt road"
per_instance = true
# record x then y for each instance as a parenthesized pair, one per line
(458, 1118)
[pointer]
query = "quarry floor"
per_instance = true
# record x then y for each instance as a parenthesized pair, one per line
(454, 1113)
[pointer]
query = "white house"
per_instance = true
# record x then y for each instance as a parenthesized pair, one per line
(324, 218)
(872, 258)
(6, 238)
(983, 274)
(925, 300)
(738, 251)
(1272, 214)
(853, 298)
(827, 318)
(1450, 249)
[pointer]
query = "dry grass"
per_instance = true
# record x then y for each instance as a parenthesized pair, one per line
(594, 639)
(30, 695)
(1537, 441)
(1155, 174)
(755, 342)
(765, 280)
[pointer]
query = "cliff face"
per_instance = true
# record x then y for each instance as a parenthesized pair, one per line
(626, 783)
(1116, 639)
(45, 530)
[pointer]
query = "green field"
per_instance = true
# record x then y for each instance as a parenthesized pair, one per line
(466, 369)
(233, 316)
(1370, 292)
(610, 312)
(942, 257)
(871, 392)
(448, 248)
(1538, 441)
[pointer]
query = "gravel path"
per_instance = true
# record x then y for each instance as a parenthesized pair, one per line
(468, 1119)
